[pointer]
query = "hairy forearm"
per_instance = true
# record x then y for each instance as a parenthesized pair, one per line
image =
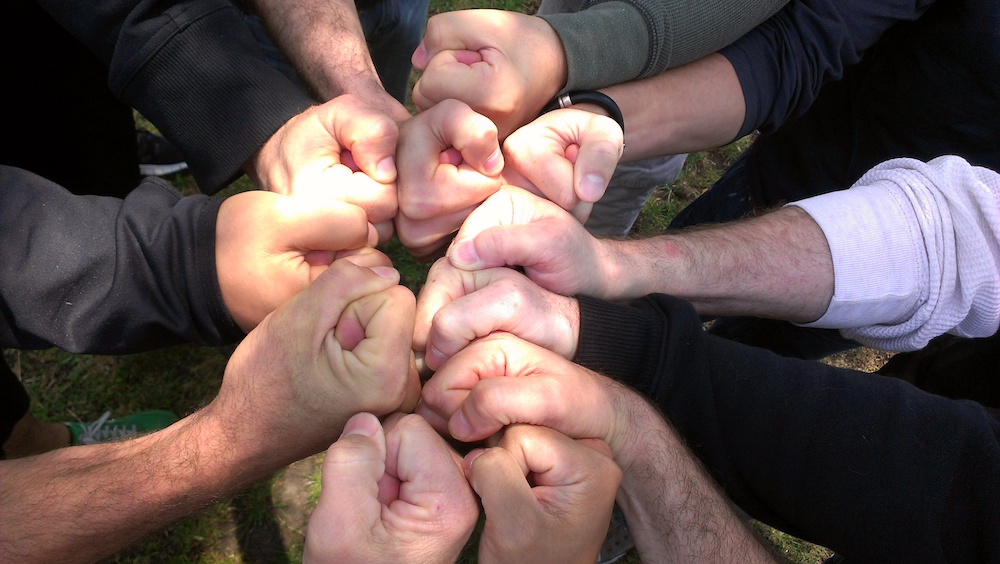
(675, 512)
(693, 107)
(324, 40)
(777, 265)
(88, 502)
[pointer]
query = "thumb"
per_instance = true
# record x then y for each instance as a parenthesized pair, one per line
(481, 243)
(316, 223)
(351, 470)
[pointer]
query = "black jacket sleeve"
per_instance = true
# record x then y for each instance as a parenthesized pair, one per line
(192, 68)
(867, 465)
(783, 62)
(93, 274)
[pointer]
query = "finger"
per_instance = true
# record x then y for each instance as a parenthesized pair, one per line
(557, 460)
(386, 319)
(500, 299)
(499, 232)
(369, 135)
(317, 309)
(538, 154)
(600, 143)
(442, 285)
(316, 223)
(505, 493)
(423, 238)
(365, 256)
(351, 471)
(456, 74)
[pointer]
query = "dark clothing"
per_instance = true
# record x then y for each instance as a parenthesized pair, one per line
(866, 465)
(192, 69)
(103, 275)
(14, 401)
(836, 87)
(61, 120)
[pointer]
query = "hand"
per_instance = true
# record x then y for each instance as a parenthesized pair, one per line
(449, 161)
(269, 247)
(339, 347)
(505, 65)
(501, 380)
(343, 149)
(567, 156)
(506, 229)
(456, 307)
(547, 498)
(397, 495)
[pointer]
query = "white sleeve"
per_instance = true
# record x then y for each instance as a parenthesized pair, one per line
(916, 253)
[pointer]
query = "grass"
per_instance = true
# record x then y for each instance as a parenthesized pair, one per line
(266, 523)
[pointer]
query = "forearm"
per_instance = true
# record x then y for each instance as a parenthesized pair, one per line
(674, 510)
(324, 41)
(102, 275)
(81, 504)
(696, 106)
(651, 36)
(777, 266)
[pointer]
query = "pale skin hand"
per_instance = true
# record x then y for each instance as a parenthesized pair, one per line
(344, 150)
(392, 495)
(505, 230)
(562, 515)
(324, 41)
(449, 161)
(675, 512)
(505, 65)
(777, 265)
(269, 247)
(340, 346)
(566, 155)
(344, 347)
(456, 307)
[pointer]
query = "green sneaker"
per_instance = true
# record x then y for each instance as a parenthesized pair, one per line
(106, 429)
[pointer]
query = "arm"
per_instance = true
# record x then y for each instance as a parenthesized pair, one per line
(802, 445)
(933, 225)
(770, 75)
(102, 275)
(339, 347)
(193, 69)
(650, 36)
(508, 66)
(677, 512)
(325, 42)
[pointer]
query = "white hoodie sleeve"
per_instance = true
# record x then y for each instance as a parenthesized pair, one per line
(916, 253)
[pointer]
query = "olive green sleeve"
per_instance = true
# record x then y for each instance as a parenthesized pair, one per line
(614, 41)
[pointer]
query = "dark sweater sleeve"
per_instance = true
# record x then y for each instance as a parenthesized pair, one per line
(867, 465)
(93, 274)
(782, 63)
(192, 68)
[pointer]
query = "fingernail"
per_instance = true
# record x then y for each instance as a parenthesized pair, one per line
(459, 427)
(463, 253)
(473, 455)
(385, 271)
(592, 187)
(386, 168)
(494, 164)
(361, 424)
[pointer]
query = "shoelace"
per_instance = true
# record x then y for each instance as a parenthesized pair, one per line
(94, 433)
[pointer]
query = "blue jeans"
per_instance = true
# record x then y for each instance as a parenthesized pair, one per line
(392, 28)
(728, 200)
